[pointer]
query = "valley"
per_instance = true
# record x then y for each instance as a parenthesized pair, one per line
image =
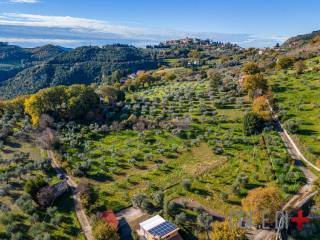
(182, 129)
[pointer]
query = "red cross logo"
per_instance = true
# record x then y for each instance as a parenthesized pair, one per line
(300, 220)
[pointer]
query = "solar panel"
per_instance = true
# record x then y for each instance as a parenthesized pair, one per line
(162, 229)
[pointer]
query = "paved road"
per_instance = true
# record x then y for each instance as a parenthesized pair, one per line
(81, 215)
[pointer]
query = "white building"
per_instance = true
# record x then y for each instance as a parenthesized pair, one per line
(157, 228)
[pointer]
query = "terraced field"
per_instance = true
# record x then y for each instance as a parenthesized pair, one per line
(19, 162)
(299, 99)
(198, 137)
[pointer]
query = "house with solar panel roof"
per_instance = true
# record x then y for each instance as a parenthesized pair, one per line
(157, 228)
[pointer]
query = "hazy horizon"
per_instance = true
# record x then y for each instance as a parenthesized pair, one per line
(72, 23)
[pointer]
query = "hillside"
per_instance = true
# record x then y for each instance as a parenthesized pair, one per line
(11, 54)
(81, 65)
(298, 100)
(192, 140)
(303, 44)
(14, 59)
(46, 51)
(183, 132)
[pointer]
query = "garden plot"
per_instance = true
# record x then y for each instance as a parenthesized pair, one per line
(207, 149)
(21, 217)
(299, 101)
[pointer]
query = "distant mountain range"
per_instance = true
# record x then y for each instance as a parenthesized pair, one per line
(27, 70)
(10, 54)
(303, 44)
(14, 59)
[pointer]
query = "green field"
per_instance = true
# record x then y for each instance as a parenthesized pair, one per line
(211, 151)
(19, 213)
(299, 98)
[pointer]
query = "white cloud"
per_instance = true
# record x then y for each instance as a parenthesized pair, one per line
(74, 23)
(92, 31)
(24, 1)
(38, 40)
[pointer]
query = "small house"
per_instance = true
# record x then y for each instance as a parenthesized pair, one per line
(157, 228)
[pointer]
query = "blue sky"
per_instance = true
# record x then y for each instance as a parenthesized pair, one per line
(81, 22)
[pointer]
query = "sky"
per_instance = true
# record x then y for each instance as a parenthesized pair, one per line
(72, 23)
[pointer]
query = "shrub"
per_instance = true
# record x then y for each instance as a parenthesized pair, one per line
(45, 196)
(37, 230)
(56, 220)
(103, 231)
(146, 205)
(186, 184)
(263, 200)
(34, 218)
(172, 208)
(255, 84)
(181, 218)
(218, 150)
(227, 231)
(18, 236)
(284, 62)
(158, 198)
(236, 188)
(291, 125)
(243, 180)
(300, 66)
(87, 194)
(33, 185)
(260, 107)
(205, 220)
(250, 68)
(224, 196)
(26, 204)
(138, 199)
(252, 124)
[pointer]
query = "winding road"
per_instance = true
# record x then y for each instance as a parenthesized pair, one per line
(81, 215)
(306, 192)
(298, 200)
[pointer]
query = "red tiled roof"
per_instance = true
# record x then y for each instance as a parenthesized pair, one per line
(110, 218)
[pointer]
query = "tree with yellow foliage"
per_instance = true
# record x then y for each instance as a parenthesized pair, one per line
(317, 201)
(255, 84)
(144, 78)
(103, 231)
(110, 94)
(195, 54)
(263, 203)
(260, 106)
(66, 102)
(227, 231)
(250, 68)
(284, 62)
(300, 67)
(46, 100)
(12, 105)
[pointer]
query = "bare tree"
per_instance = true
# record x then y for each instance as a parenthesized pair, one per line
(47, 139)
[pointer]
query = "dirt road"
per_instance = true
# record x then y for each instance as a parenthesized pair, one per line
(81, 215)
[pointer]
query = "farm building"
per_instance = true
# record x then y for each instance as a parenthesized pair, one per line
(157, 228)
